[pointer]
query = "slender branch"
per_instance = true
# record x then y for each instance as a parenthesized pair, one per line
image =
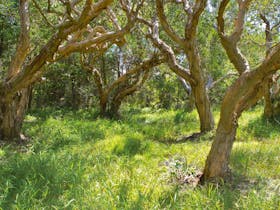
(42, 13)
(23, 46)
(215, 83)
(165, 25)
(275, 26)
(187, 6)
(113, 18)
(191, 26)
(268, 33)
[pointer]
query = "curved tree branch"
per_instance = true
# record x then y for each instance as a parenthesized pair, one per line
(23, 45)
(33, 70)
(165, 25)
(191, 26)
(230, 42)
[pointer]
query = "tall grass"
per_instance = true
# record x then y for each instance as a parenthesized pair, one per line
(77, 161)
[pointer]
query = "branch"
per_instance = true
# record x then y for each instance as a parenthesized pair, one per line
(275, 26)
(23, 45)
(272, 61)
(98, 81)
(230, 42)
(171, 59)
(191, 26)
(268, 33)
(145, 65)
(165, 25)
(34, 69)
(98, 41)
(186, 4)
(215, 83)
(243, 6)
(42, 13)
(113, 18)
(132, 88)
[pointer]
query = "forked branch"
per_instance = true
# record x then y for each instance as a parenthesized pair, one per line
(230, 42)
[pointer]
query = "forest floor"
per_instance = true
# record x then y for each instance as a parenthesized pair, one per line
(75, 160)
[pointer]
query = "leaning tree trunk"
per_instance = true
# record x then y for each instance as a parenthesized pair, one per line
(218, 158)
(244, 93)
(12, 115)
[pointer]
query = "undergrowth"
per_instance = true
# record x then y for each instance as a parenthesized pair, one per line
(76, 160)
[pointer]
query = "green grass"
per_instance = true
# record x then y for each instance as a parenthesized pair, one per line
(78, 161)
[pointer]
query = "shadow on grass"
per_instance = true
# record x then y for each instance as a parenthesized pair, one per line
(194, 138)
(83, 114)
(130, 146)
(262, 156)
(84, 125)
(55, 132)
(263, 128)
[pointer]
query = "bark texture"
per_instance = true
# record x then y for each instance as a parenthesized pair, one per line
(244, 93)
(269, 95)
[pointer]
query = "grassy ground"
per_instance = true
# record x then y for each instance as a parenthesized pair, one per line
(77, 161)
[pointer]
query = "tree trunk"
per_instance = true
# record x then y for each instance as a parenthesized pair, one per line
(218, 159)
(202, 104)
(12, 115)
(244, 93)
(114, 109)
(268, 105)
(201, 98)
(103, 106)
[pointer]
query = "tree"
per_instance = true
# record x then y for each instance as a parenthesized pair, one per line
(72, 33)
(270, 87)
(242, 94)
(126, 83)
(193, 75)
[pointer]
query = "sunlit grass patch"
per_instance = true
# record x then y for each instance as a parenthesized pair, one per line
(76, 160)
